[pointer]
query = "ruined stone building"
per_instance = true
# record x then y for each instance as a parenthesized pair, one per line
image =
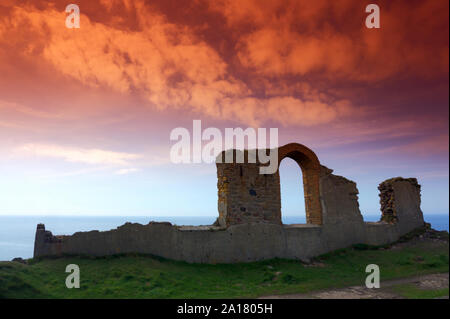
(249, 226)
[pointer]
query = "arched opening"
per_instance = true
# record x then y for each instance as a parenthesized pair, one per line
(292, 194)
(310, 166)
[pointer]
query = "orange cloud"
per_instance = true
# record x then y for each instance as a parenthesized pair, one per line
(168, 64)
(284, 62)
(330, 39)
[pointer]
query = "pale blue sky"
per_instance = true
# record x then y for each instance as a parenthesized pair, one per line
(44, 188)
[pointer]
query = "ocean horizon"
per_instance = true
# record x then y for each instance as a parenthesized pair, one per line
(17, 232)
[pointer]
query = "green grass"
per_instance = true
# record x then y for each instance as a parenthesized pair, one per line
(138, 276)
(412, 292)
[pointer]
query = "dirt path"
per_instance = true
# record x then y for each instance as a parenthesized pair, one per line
(428, 282)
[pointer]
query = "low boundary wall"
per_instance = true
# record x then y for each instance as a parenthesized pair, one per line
(341, 226)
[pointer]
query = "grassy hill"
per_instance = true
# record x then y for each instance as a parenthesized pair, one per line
(140, 276)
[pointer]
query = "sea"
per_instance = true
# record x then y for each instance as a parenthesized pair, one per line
(17, 232)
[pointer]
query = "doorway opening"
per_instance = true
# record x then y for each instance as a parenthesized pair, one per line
(292, 193)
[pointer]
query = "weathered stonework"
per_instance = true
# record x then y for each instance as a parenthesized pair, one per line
(249, 226)
(247, 196)
(389, 212)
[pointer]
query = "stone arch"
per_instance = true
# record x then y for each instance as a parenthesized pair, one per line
(310, 166)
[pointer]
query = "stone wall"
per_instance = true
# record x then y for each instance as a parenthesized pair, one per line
(249, 226)
(400, 198)
(400, 211)
(339, 199)
(404, 203)
(343, 223)
(245, 195)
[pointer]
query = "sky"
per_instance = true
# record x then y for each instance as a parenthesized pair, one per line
(86, 113)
